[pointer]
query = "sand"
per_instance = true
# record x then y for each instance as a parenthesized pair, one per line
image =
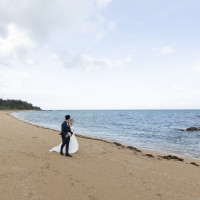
(99, 170)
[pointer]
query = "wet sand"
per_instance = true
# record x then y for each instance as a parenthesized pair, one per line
(99, 170)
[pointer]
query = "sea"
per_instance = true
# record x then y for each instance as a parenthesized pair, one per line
(158, 130)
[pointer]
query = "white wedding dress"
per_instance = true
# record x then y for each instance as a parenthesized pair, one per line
(73, 145)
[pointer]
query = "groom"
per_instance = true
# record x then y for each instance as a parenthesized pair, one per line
(65, 128)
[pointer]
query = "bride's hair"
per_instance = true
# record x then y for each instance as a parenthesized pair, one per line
(71, 122)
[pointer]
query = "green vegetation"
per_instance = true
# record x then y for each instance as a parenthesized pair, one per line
(11, 104)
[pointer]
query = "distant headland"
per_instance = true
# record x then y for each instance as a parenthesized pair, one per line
(11, 104)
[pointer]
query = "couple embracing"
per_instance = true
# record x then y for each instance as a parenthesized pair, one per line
(69, 142)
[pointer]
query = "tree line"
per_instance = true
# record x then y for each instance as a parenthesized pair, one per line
(16, 105)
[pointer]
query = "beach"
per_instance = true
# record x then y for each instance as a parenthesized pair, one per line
(99, 170)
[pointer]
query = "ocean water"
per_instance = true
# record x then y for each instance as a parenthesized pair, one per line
(157, 130)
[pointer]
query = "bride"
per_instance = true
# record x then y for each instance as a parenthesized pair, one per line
(73, 144)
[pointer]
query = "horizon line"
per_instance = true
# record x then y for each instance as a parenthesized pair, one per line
(128, 109)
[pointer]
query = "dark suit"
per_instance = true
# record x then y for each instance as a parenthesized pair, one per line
(65, 141)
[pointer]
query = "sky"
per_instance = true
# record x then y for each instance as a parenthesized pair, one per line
(101, 54)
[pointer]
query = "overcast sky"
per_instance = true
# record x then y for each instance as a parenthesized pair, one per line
(101, 54)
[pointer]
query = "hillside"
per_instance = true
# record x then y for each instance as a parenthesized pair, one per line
(16, 105)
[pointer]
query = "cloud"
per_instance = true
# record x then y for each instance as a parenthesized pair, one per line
(29, 61)
(197, 66)
(14, 46)
(176, 87)
(90, 63)
(12, 81)
(112, 25)
(98, 27)
(31, 29)
(9, 75)
(15, 39)
(166, 50)
(42, 18)
(197, 69)
(103, 3)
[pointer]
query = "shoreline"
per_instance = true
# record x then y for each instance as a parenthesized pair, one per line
(148, 151)
(145, 152)
(99, 170)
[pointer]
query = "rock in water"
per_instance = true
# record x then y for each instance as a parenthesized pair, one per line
(193, 129)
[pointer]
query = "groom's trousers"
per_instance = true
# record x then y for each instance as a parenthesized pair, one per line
(65, 141)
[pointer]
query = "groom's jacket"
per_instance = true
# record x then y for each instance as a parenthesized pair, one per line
(65, 129)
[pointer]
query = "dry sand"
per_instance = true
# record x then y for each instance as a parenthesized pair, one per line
(100, 170)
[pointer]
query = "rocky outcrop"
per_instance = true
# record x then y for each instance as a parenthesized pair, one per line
(193, 129)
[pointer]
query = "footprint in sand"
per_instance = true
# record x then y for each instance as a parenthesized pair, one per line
(159, 195)
(92, 197)
(57, 172)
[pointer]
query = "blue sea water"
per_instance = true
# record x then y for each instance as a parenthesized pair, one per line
(157, 130)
